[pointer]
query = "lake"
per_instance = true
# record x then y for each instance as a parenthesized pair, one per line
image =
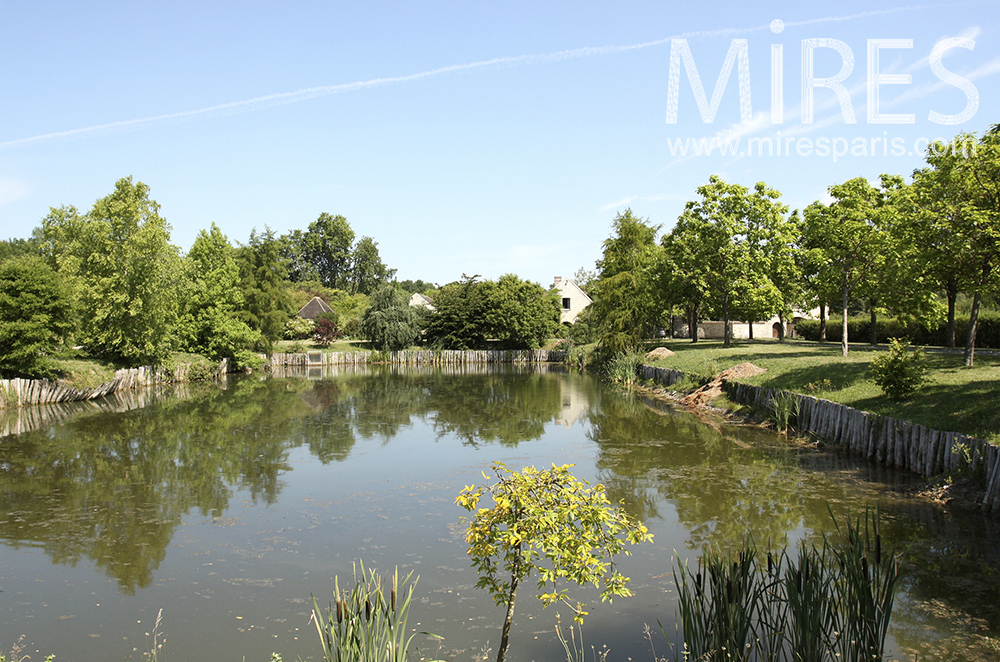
(227, 507)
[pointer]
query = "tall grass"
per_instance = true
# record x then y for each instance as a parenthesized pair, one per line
(367, 624)
(623, 368)
(826, 603)
(783, 410)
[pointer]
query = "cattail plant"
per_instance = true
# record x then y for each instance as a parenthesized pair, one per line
(826, 603)
(365, 625)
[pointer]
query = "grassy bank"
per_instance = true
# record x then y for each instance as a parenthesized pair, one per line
(954, 398)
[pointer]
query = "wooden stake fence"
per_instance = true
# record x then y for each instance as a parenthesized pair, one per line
(893, 442)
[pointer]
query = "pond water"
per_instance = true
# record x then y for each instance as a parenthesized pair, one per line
(226, 508)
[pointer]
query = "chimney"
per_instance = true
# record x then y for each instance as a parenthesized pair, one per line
(556, 280)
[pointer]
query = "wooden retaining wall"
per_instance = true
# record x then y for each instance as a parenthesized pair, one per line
(409, 357)
(21, 392)
(893, 442)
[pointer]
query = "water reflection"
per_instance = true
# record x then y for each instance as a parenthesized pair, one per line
(114, 485)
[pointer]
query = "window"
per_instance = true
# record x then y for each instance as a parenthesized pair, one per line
(565, 303)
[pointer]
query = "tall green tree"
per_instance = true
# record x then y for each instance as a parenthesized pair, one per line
(519, 314)
(266, 303)
(624, 308)
(509, 313)
(328, 249)
(960, 194)
(390, 323)
(210, 322)
(124, 270)
(848, 237)
(368, 272)
(729, 243)
(457, 319)
(36, 317)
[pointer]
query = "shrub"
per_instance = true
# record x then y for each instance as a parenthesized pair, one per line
(298, 328)
(326, 331)
(247, 360)
(900, 371)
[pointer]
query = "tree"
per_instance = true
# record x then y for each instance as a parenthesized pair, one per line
(36, 315)
(12, 248)
(729, 244)
(125, 273)
(390, 323)
(368, 271)
(550, 523)
(266, 305)
(847, 235)
(327, 248)
(510, 313)
(624, 311)
(209, 323)
(457, 320)
(519, 314)
(961, 191)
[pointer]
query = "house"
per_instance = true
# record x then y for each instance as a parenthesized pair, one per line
(314, 309)
(572, 299)
(420, 301)
(713, 329)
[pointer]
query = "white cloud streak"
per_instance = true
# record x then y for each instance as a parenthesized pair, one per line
(284, 98)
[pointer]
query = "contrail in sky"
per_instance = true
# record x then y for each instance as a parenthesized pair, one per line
(283, 98)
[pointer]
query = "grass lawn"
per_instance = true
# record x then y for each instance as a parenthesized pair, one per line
(283, 346)
(953, 398)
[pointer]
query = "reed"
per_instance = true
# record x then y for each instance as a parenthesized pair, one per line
(826, 603)
(367, 624)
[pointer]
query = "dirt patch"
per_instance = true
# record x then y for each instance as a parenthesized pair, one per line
(659, 353)
(713, 389)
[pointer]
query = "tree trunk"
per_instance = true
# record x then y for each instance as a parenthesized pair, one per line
(726, 340)
(873, 332)
(693, 323)
(822, 322)
(505, 635)
(750, 326)
(969, 358)
(970, 341)
(781, 326)
(951, 290)
(843, 323)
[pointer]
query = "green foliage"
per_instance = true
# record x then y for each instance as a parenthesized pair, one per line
(827, 603)
(247, 360)
(416, 286)
(212, 300)
(390, 323)
(327, 248)
(783, 410)
(124, 273)
(368, 272)
(918, 333)
(623, 368)
(36, 316)
(510, 313)
(624, 311)
(267, 306)
(298, 328)
(367, 624)
(519, 314)
(733, 247)
(900, 371)
(550, 523)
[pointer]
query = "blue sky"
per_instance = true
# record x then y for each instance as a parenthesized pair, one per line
(465, 137)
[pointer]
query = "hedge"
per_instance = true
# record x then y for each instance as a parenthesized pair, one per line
(859, 330)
